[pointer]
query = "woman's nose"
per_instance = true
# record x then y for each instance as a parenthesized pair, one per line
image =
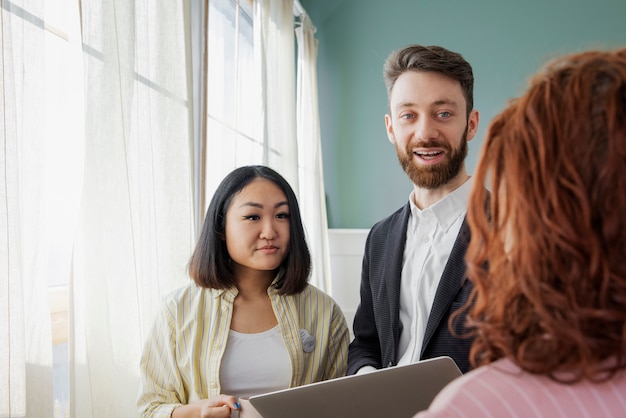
(268, 231)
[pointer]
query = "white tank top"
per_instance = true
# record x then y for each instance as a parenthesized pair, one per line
(254, 363)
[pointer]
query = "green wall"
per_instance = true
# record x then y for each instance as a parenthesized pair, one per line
(505, 41)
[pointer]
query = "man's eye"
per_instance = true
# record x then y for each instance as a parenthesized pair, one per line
(444, 115)
(407, 116)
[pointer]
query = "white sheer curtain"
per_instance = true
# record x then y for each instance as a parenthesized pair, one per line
(313, 198)
(25, 338)
(274, 45)
(135, 230)
(135, 226)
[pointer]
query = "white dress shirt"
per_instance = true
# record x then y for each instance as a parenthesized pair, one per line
(431, 233)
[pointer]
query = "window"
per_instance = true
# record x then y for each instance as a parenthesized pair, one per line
(99, 185)
(233, 107)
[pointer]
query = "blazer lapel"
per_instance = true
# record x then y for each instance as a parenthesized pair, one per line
(396, 241)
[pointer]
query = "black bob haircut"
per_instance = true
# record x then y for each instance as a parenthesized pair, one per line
(209, 265)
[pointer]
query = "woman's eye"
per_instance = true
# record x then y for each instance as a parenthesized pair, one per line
(283, 216)
(252, 217)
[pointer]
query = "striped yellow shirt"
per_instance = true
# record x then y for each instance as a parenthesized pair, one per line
(181, 358)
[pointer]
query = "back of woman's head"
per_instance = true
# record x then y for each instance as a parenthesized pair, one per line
(548, 256)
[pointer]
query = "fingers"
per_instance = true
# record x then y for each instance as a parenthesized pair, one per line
(224, 400)
(232, 403)
(216, 411)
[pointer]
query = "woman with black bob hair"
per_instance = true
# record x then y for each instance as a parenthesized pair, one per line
(248, 322)
(210, 264)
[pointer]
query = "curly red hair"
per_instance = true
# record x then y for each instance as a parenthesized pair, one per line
(548, 257)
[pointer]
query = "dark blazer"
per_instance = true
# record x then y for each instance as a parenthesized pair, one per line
(377, 324)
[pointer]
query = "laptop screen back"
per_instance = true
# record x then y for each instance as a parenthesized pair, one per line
(397, 392)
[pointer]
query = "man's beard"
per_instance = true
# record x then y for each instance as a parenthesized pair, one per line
(433, 176)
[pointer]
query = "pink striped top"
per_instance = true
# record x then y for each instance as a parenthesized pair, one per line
(502, 389)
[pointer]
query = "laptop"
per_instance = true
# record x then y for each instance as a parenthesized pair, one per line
(398, 392)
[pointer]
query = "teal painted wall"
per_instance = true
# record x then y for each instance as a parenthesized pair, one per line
(505, 41)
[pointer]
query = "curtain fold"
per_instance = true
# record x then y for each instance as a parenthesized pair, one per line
(135, 230)
(313, 198)
(274, 45)
(25, 336)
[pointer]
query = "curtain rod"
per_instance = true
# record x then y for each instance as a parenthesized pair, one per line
(297, 8)
(299, 12)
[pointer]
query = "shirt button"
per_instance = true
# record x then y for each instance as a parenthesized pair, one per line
(224, 308)
(425, 239)
(213, 385)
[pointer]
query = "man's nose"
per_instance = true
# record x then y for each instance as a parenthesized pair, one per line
(426, 129)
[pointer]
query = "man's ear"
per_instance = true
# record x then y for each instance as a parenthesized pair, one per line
(472, 124)
(389, 126)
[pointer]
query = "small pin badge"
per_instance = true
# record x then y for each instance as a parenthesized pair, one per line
(308, 341)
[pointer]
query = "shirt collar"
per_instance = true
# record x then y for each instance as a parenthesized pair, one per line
(448, 209)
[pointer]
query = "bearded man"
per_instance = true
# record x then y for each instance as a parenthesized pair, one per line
(413, 274)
